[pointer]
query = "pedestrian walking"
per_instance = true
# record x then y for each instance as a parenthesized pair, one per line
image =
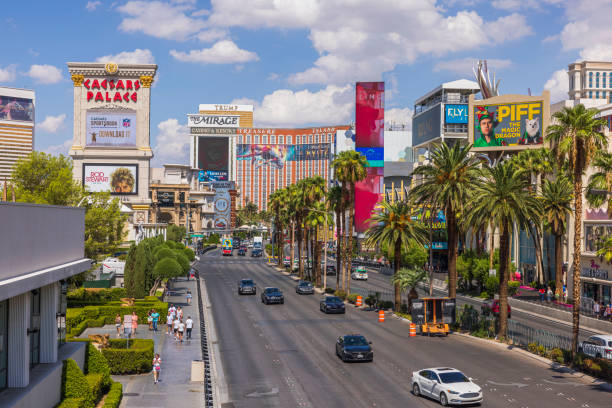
(179, 313)
(542, 292)
(169, 323)
(188, 327)
(134, 323)
(596, 309)
(118, 324)
(156, 367)
(607, 312)
(150, 320)
(188, 296)
(549, 294)
(175, 324)
(155, 317)
(181, 330)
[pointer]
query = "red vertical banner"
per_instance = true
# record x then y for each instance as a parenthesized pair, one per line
(369, 140)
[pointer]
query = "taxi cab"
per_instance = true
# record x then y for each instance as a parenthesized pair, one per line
(360, 273)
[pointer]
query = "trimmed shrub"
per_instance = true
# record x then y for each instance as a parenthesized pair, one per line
(492, 284)
(189, 254)
(113, 398)
(532, 348)
(162, 252)
(74, 383)
(352, 298)
(181, 258)
(71, 403)
(513, 287)
(97, 364)
(136, 359)
(95, 382)
(167, 268)
(340, 293)
(484, 295)
(556, 355)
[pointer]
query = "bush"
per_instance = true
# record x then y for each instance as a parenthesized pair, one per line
(137, 359)
(182, 259)
(404, 309)
(97, 364)
(167, 268)
(352, 298)
(513, 287)
(96, 386)
(82, 296)
(484, 294)
(74, 384)
(189, 254)
(340, 293)
(532, 348)
(492, 284)
(113, 398)
(71, 403)
(329, 290)
(556, 355)
(162, 252)
(370, 300)
(385, 304)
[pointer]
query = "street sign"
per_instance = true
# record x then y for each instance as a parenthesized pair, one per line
(492, 272)
(197, 235)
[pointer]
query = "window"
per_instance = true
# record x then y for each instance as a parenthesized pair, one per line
(303, 139)
(310, 139)
(273, 139)
(316, 140)
(597, 80)
(591, 94)
(281, 139)
(264, 139)
(603, 94)
(256, 139)
(248, 139)
(61, 314)
(597, 95)
(604, 80)
(35, 327)
(590, 79)
(3, 343)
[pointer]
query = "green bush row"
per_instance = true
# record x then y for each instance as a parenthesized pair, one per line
(114, 396)
(352, 298)
(597, 367)
(136, 359)
(97, 295)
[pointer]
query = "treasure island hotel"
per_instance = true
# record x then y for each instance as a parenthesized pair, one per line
(16, 127)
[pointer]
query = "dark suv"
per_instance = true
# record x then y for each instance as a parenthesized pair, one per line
(332, 304)
(331, 270)
(354, 347)
(304, 288)
(272, 295)
(246, 287)
(242, 251)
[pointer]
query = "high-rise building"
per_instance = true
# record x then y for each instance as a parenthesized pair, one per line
(271, 159)
(16, 127)
(590, 80)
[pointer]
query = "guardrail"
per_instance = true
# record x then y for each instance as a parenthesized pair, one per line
(522, 334)
(386, 295)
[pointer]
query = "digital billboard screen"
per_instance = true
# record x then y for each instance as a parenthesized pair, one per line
(426, 126)
(456, 114)
(367, 194)
(213, 153)
(370, 114)
(111, 129)
(116, 178)
(19, 109)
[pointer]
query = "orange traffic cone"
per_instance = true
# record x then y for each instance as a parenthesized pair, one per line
(359, 301)
(412, 330)
(381, 316)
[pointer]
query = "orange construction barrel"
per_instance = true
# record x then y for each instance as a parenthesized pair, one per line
(412, 330)
(359, 301)
(381, 315)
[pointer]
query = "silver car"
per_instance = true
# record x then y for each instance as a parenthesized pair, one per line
(599, 346)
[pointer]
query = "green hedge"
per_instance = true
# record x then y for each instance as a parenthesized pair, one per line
(96, 363)
(137, 359)
(75, 385)
(93, 296)
(352, 298)
(96, 385)
(113, 398)
(71, 403)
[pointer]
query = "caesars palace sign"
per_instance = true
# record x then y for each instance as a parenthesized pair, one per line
(111, 90)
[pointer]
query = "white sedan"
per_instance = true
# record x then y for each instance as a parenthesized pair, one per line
(447, 385)
(599, 346)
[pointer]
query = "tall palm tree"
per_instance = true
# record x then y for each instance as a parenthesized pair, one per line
(556, 206)
(393, 226)
(447, 182)
(599, 187)
(575, 136)
(335, 200)
(409, 279)
(505, 198)
(350, 168)
(315, 219)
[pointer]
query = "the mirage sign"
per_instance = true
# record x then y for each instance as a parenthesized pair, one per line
(213, 121)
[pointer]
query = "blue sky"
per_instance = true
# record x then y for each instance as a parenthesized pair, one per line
(295, 60)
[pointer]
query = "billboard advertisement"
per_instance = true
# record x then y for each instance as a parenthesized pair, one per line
(345, 140)
(213, 153)
(111, 129)
(374, 155)
(13, 108)
(277, 155)
(455, 114)
(213, 121)
(212, 175)
(426, 126)
(222, 203)
(367, 194)
(116, 178)
(165, 198)
(508, 122)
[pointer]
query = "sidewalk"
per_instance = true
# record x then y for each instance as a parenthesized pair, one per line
(175, 388)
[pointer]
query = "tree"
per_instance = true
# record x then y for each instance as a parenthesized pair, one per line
(575, 136)
(350, 168)
(336, 202)
(104, 224)
(409, 278)
(175, 233)
(447, 182)
(393, 226)
(556, 207)
(167, 268)
(504, 198)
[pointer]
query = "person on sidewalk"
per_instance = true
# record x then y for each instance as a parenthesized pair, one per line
(549, 294)
(118, 324)
(188, 296)
(596, 309)
(134, 323)
(189, 326)
(150, 320)
(542, 294)
(169, 323)
(179, 313)
(155, 317)
(156, 367)
(175, 324)
(181, 330)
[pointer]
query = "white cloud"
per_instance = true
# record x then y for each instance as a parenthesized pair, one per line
(8, 74)
(524, 4)
(56, 150)
(172, 143)
(588, 29)
(92, 5)
(399, 116)
(558, 85)
(463, 66)
(52, 124)
(212, 35)
(137, 56)
(332, 105)
(45, 74)
(160, 20)
(223, 52)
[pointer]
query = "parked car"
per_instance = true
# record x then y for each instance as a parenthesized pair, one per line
(250, 245)
(272, 295)
(242, 251)
(354, 347)
(247, 287)
(304, 288)
(447, 385)
(489, 307)
(332, 304)
(287, 262)
(360, 273)
(599, 346)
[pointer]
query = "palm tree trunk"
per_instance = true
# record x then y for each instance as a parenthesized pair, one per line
(492, 246)
(535, 234)
(451, 227)
(300, 239)
(338, 247)
(350, 231)
(577, 251)
(504, 260)
(317, 259)
(397, 256)
(558, 267)
(292, 245)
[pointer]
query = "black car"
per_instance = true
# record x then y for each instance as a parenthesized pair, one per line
(246, 287)
(354, 347)
(332, 304)
(304, 288)
(331, 270)
(241, 251)
(272, 295)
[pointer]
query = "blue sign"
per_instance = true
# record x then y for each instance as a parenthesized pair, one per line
(374, 155)
(212, 175)
(437, 245)
(456, 114)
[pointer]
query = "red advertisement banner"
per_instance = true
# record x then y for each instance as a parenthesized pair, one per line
(370, 114)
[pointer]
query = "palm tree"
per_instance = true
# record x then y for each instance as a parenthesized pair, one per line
(315, 219)
(505, 198)
(393, 226)
(350, 168)
(336, 204)
(409, 278)
(447, 182)
(575, 136)
(556, 206)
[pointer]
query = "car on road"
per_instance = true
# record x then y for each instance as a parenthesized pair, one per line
(360, 273)
(242, 251)
(599, 346)
(492, 307)
(331, 270)
(332, 304)
(247, 287)
(250, 245)
(287, 262)
(304, 288)
(354, 347)
(447, 385)
(272, 295)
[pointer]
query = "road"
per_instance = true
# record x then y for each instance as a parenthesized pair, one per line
(283, 355)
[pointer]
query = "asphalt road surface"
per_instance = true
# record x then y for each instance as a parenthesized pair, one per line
(284, 355)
